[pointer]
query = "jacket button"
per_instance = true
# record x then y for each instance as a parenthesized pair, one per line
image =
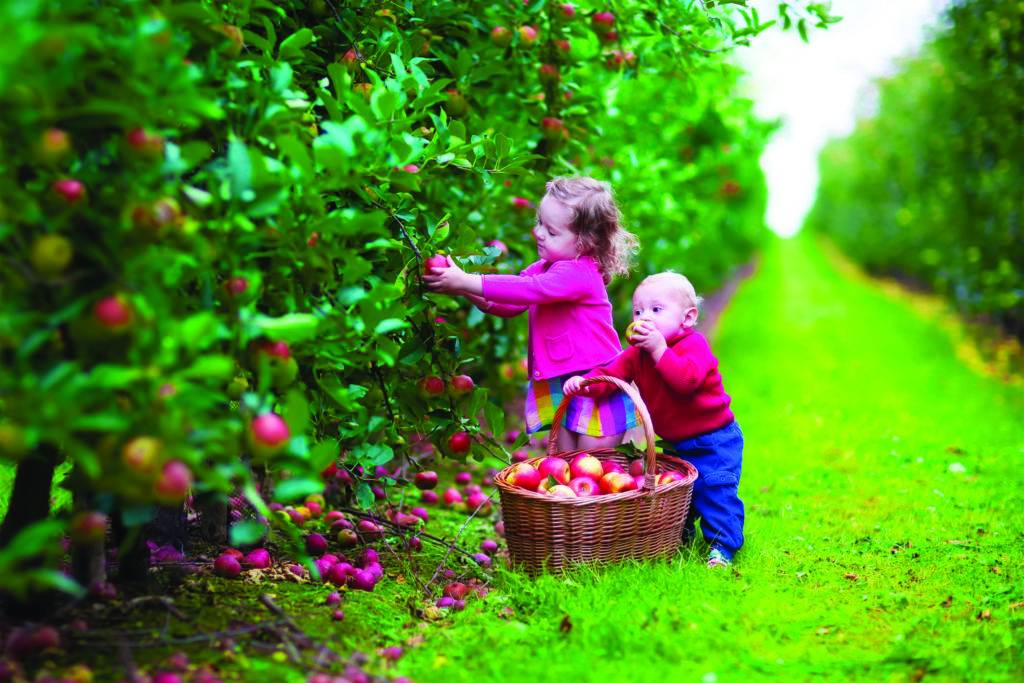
(536, 374)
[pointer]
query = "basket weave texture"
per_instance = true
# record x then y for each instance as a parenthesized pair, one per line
(550, 532)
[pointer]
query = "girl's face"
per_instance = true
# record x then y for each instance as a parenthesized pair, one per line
(658, 305)
(555, 239)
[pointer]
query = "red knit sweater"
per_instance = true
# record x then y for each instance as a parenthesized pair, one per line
(683, 391)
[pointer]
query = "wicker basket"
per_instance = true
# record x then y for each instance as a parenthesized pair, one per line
(551, 532)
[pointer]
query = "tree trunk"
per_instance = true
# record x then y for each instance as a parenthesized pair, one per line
(213, 519)
(30, 497)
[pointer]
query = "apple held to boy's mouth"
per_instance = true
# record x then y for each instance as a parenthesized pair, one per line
(631, 332)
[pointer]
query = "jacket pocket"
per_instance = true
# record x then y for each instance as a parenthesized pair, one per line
(558, 348)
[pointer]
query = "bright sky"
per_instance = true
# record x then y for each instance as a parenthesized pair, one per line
(817, 89)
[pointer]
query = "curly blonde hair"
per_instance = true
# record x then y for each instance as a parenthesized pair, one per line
(597, 223)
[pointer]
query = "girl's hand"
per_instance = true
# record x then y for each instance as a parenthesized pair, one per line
(573, 386)
(647, 337)
(449, 280)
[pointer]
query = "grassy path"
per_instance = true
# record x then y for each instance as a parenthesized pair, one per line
(883, 482)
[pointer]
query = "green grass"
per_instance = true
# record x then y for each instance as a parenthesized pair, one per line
(868, 556)
(854, 408)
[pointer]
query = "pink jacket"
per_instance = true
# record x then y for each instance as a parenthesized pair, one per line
(570, 315)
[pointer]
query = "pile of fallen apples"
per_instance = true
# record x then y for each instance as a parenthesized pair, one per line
(582, 477)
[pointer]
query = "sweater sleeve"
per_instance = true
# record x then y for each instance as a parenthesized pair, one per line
(622, 366)
(563, 281)
(685, 366)
(504, 310)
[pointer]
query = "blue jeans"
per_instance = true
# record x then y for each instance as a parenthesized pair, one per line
(718, 457)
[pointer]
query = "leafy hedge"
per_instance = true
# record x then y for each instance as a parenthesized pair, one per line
(212, 211)
(929, 187)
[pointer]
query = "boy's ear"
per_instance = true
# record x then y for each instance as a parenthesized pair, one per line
(690, 317)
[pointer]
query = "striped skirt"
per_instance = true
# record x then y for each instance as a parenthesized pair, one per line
(606, 416)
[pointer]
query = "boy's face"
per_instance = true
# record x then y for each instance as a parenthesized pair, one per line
(555, 239)
(660, 306)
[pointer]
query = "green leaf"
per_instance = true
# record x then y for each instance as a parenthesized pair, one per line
(239, 169)
(247, 532)
(364, 495)
(200, 330)
(291, 47)
(390, 325)
(58, 580)
(495, 419)
(292, 328)
(295, 489)
(210, 367)
(372, 454)
(323, 454)
(114, 376)
(296, 412)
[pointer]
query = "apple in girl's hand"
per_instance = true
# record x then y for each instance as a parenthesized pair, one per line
(670, 476)
(524, 475)
(584, 486)
(435, 261)
(554, 467)
(561, 491)
(584, 465)
(617, 482)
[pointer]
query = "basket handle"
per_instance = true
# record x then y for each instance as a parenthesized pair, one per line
(641, 410)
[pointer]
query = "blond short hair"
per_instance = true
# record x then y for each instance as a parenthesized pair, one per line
(676, 283)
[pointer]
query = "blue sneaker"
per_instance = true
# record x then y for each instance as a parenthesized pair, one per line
(717, 559)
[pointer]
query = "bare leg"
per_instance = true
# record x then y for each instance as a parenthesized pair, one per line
(567, 441)
(587, 443)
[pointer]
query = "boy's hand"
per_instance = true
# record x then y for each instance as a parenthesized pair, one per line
(647, 337)
(573, 386)
(449, 280)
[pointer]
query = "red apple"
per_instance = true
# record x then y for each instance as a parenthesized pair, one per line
(554, 129)
(554, 467)
(670, 476)
(425, 481)
(611, 466)
(141, 454)
(636, 468)
(617, 482)
(369, 529)
(584, 465)
(609, 37)
(431, 386)
(87, 528)
(461, 385)
(566, 10)
(436, 261)
(113, 312)
(347, 538)
(584, 486)
(561, 491)
(268, 433)
(257, 559)
(520, 455)
(236, 286)
(522, 204)
(463, 478)
(563, 45)
(174, 482)
(603, 20)
(459, 443)
(350, 60)
(480, 500)
(524, 475)
(227, 566)
(68, 190)
(501, 36)
(456, 104)
(54, 144)
(452, 496)
(316, 544)
(527, 35)
(548, 74)
(145, 144)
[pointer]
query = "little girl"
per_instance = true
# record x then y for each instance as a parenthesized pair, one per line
(581, 245)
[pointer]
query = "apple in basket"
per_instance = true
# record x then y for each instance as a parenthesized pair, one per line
(670, 476)
(561, 491)
(584, 465)
(524, 475)
(636, 468)
(611, 466)
(554, 467)
(617, 482)
(584, 487)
